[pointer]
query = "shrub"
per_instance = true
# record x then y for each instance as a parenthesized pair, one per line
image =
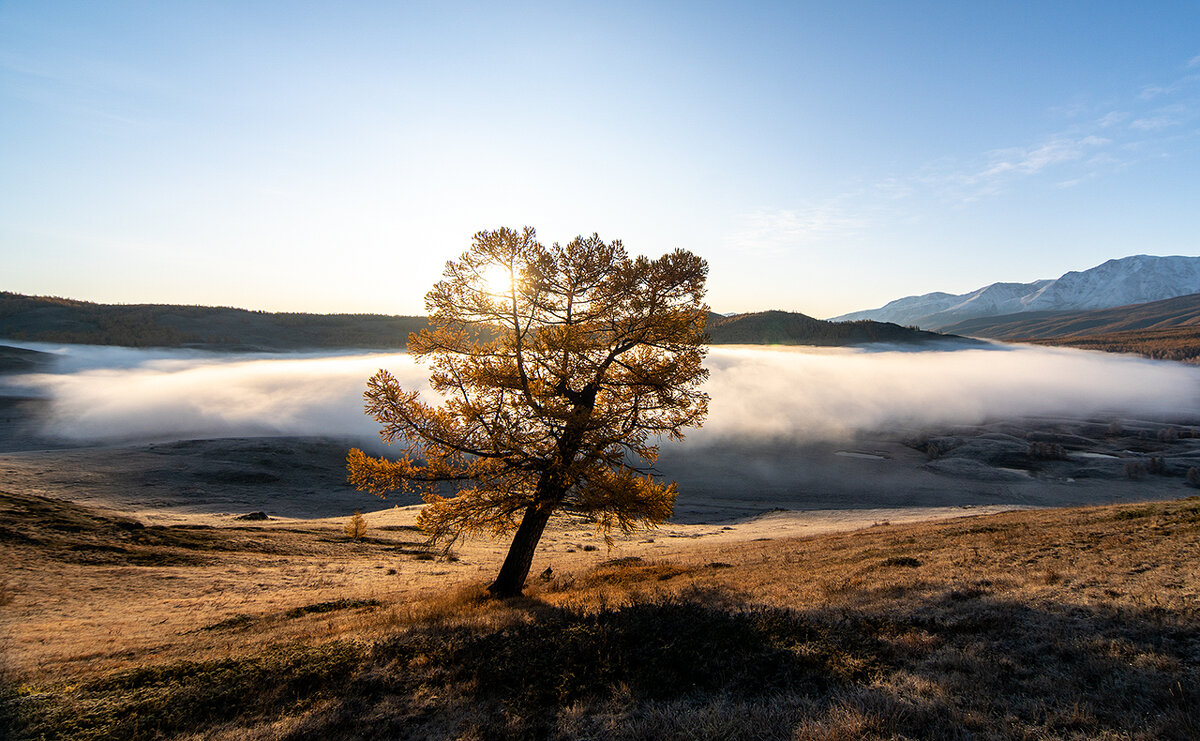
(356, 526)
(1047, 451)
(934, 449)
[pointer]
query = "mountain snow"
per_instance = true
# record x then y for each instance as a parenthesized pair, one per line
(1128, 280)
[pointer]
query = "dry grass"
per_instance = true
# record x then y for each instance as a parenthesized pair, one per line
(1074, 623)
(1174, 343)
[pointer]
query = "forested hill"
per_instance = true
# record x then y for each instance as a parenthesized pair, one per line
(43, 319)
(788, 328)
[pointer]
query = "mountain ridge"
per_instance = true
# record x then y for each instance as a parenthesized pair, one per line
(1171, 313)
(1118, 282)
(52, 319)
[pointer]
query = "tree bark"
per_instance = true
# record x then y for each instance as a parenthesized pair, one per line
(550, 492)
(511, 580)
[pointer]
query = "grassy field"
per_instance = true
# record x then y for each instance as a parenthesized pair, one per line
(1071, 623)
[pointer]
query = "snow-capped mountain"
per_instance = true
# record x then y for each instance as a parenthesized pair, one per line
(1128, 280)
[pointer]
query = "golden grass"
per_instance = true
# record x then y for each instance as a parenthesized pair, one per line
(1174, 343)
(1071, 623)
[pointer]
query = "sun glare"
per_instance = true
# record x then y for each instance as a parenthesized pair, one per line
(497, 280)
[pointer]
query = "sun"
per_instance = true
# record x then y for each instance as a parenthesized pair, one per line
(496, 280)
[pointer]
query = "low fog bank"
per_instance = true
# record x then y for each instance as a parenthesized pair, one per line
(105, 394)
(794, 428)
(109, 394)
(813, 395)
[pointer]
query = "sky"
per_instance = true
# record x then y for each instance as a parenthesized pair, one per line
(823, 157)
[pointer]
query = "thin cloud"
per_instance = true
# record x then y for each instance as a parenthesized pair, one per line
(783, 229)
(1000, 167)
(1032, 160)
(84, 73)
(1150, 92)
(1115, 138)
(1153, 123)
(1112, 118)
(1111, 141)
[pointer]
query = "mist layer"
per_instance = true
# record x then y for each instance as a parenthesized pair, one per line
(814, 394)
(118, 394)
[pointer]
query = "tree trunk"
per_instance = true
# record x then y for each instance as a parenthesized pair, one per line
(515, 569)
(550, 492)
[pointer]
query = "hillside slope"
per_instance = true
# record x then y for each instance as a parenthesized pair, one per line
(47, 319)
(1183, 311)
(20, 360)
(42, 319)
(788, 328)
(1176, 343)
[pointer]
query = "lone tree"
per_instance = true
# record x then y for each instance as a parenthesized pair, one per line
(555, 366)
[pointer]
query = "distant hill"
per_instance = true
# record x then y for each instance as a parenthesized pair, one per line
(1175, 343)
(787, 328)
(45, 319)
(20, 360)
(1164, 330)
(1129, 280)
(1183, 311)
(42, 319)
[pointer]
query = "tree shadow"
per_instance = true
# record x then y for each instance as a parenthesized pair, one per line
(998, 666)
(954, 662)
(963, 662)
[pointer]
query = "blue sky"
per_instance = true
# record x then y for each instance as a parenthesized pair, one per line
(824, 157)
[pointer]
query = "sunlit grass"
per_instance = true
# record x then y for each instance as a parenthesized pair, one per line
(1074, 623)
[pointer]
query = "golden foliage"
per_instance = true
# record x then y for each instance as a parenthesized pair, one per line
(356, 526)
(557, 368)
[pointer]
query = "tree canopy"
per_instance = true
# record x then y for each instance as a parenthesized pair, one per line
(557, 369)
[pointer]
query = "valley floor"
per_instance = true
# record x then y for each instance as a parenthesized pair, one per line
(911, 585)
(1050, 623)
